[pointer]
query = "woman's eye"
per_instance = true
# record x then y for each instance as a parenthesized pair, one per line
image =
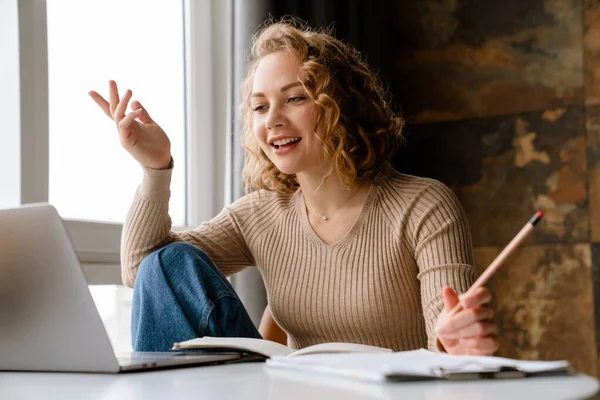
(296, 99)
(259, 108)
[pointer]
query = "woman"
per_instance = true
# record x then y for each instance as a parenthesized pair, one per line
(349, 249)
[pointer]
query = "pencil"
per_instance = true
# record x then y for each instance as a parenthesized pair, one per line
(499, 260)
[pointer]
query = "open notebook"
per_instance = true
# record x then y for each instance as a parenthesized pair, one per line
(268, 349)
(418, 365)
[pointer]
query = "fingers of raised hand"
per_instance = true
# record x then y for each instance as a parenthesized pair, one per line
(144, 117)
(479, 297)
(119, 112)
(125, 123)
(114, 108)
(464, 318)
(103, 104)
(113, 96)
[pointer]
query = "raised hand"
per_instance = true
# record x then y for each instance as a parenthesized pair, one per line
(471, 330)
(138, 133)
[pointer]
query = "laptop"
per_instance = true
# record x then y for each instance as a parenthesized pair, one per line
(48, 319)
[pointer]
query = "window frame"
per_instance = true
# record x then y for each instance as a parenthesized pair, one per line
(207, 27)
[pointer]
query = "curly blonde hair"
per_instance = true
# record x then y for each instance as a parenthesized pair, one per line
(360, 129)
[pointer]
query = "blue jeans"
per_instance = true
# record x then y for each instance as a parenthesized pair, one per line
(180, 294)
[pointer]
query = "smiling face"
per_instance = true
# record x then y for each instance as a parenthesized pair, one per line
(284, 115)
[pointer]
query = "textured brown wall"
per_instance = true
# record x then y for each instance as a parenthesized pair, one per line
(503, 100)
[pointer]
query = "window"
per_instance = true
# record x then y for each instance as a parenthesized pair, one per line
(139, 44)
(56, 145)
(67, 152)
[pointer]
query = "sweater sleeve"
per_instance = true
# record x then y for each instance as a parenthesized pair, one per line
(148, 228)
(443, 251)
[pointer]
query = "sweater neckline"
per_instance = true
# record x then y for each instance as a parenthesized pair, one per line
(358, 223)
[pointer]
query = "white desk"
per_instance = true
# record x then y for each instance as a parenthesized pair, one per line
(253, 381)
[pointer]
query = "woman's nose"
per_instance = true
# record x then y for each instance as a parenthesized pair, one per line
(274, 118)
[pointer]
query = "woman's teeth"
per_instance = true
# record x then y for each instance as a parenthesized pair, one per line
(285, 141)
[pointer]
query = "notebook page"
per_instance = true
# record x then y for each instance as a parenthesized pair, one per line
(260, 346)
(339, 348)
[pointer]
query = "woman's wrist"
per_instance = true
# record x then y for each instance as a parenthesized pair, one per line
(165, 165)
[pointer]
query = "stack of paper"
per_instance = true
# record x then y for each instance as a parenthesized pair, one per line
(417, 365)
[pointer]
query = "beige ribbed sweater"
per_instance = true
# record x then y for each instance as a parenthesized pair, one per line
(379, 285)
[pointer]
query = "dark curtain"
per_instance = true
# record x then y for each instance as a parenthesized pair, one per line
(363, 24)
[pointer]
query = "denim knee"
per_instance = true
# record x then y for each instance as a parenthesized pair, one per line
(173, 255)
(167, 260)
(179, 261)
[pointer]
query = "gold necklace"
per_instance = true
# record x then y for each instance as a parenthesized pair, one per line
(325, 217)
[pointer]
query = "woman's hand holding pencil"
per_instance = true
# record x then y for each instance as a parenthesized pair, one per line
(465, 326)
(471, 330)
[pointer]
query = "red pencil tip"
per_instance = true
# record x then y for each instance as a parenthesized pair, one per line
(536, 218)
